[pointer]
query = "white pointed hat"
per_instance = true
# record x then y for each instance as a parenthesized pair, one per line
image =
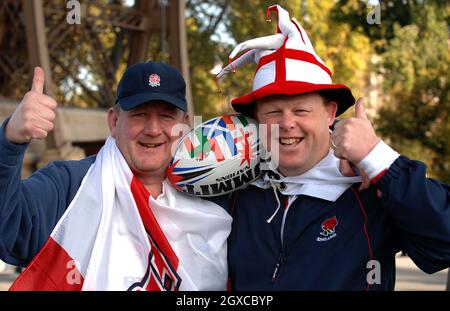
(286, 65)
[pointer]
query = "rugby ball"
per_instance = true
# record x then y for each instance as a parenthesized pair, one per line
(217, 157)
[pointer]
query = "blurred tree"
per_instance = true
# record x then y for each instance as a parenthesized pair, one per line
(347, 52)
(357, 14)
(90, 56)
(205, 19)
(216, 26)
(416, 82)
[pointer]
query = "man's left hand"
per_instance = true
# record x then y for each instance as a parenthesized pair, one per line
(354, 138)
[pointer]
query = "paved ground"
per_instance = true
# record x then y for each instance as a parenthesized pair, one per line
(409, 278)
(6, 278)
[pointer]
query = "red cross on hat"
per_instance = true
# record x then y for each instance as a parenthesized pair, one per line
(286, 65)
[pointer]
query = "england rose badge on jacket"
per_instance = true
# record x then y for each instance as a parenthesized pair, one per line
(328, 229)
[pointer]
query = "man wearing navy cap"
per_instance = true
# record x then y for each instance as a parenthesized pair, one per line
(110, 221)
(144, 132)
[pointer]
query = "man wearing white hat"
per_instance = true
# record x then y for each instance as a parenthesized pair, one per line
(305, 226)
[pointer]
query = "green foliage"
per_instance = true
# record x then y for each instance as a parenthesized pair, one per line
(416, 65)
(391, 13)
(346, 52)
(202, 22)
(87, 56)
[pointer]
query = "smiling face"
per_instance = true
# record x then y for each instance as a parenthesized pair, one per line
(303, 122)
(143, 135)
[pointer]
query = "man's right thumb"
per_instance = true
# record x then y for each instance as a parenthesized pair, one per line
(360, 110)
(38, 80)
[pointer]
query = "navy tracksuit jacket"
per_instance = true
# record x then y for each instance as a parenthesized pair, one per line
(319, 245)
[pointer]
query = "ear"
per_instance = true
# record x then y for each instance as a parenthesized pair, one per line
(113, 116)
(186, 118)
(331, 109)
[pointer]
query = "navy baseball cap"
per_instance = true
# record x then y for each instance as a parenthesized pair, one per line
(152, 81)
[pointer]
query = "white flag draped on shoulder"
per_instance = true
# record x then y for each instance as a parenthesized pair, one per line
(115, 236)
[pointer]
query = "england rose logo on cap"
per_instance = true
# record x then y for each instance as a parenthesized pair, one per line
(154, 80)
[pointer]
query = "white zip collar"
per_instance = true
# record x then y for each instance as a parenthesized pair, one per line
(323, 181)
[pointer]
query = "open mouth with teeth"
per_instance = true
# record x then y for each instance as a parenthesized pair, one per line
(150, 145)
(290, 141)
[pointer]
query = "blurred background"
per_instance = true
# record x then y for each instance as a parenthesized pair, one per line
(393, 53)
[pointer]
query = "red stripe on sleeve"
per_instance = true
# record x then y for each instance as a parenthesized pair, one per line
(378, 177)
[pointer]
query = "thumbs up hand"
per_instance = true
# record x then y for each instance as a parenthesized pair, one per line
(354, 138)
(34, 117)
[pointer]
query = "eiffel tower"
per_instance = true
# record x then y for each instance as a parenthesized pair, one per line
(84, 57)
